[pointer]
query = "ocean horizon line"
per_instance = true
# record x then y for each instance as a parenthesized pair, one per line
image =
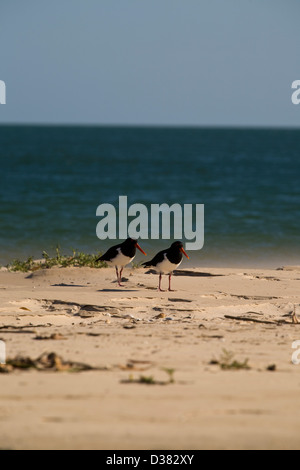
(247, 127)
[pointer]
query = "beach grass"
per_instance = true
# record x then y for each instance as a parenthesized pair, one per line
(77, 259)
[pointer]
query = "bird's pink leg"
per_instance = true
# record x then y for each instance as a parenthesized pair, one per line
(120, 280)
(117, 272)
(171, 290)
(159, 285)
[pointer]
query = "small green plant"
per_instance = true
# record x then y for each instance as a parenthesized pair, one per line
(227, 362)
(170, 373)
(22, 266)
(136, 265)
(149, 380)
(77, 259)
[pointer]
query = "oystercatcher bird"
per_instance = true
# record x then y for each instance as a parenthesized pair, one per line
(166, 261)
(121, 255)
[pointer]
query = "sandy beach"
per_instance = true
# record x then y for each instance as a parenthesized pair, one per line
(206, 367)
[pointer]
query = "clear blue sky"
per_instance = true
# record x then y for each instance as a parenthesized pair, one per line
(198, 62)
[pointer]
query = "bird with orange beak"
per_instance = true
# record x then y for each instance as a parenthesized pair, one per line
(166, 261)
(121, 255)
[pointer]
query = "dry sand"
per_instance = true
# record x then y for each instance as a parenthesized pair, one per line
(136, 331)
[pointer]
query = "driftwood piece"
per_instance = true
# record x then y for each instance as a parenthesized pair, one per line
(248, 319)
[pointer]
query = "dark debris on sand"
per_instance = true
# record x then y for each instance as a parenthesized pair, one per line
(46, 362)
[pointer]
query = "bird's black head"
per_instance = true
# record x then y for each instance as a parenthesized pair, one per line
(179, 246)
(131, 242)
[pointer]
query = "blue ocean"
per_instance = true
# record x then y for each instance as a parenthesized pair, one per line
(54, 178)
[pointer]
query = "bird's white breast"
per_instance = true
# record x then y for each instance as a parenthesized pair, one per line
(120, 260)
(166, 267)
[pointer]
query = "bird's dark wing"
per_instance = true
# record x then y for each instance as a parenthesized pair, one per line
(110, 254)
(157, 259)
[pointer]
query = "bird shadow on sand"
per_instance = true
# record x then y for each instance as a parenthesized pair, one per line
(194, 274)
(67, 285)
(187, 273)
(118, 290)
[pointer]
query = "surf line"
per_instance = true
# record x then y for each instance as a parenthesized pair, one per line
(136, 221)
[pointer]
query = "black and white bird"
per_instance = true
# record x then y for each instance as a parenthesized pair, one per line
(121, 255)
(166, 261)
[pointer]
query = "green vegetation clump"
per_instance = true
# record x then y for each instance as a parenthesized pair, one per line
(227, 362)
(150, 380)
(22, 266)
(170, 373)
(77, 259)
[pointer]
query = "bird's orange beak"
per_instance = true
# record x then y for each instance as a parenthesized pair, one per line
(139, 248)
(182, 251)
